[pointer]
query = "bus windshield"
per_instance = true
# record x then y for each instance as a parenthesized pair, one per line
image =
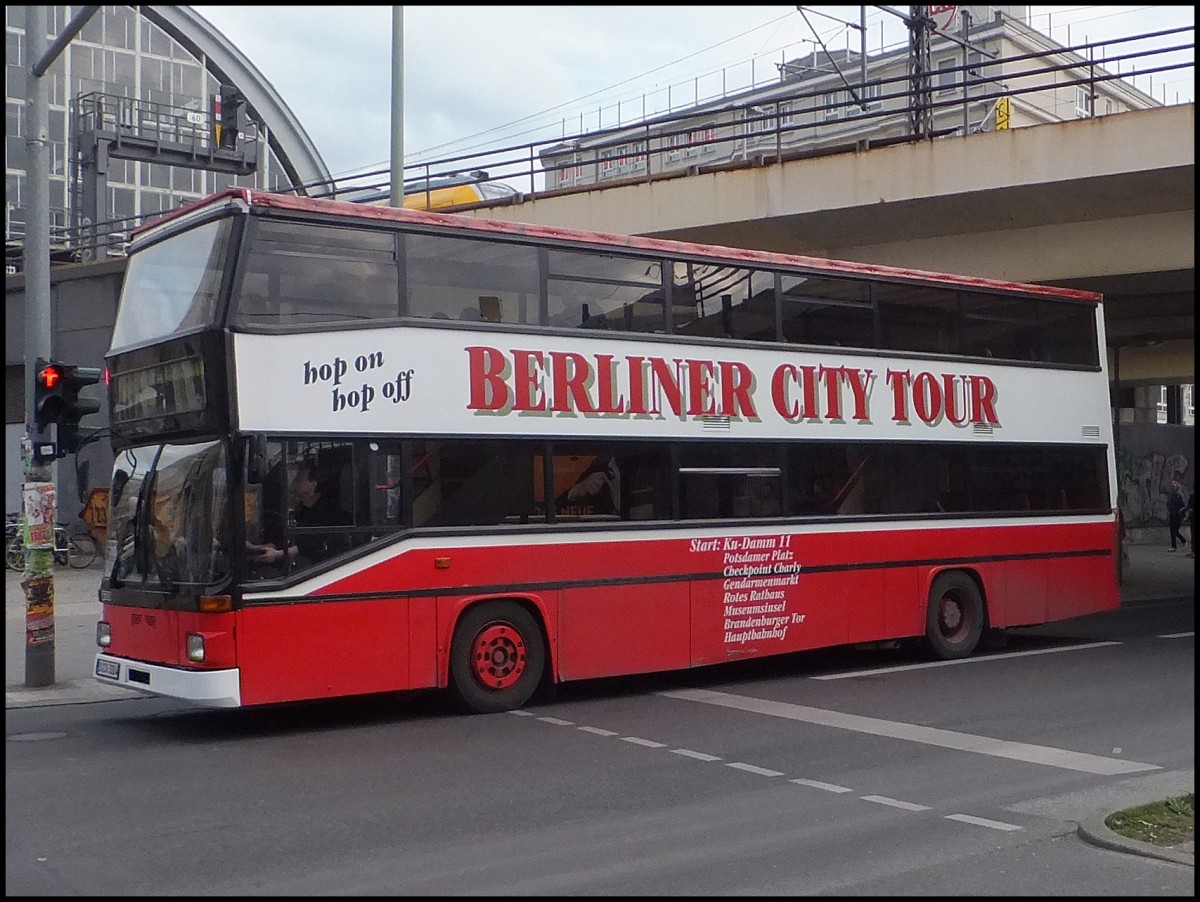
(173, 286)
(169, 516)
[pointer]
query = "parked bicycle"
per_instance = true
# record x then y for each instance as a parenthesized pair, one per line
(12, 531)
(76, 549)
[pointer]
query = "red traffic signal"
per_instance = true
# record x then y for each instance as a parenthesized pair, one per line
(56, 399)
(49, 401)
(50, 375)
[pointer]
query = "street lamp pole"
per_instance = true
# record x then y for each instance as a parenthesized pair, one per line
(397, 172)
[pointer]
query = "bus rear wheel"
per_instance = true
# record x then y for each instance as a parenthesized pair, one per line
(497, 657)
(953, 616)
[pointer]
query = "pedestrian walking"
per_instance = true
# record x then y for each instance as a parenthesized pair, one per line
(1176, 505)
(1189, 516)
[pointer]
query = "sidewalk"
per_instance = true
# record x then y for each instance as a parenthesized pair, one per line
(1152, 573)
(76, 610)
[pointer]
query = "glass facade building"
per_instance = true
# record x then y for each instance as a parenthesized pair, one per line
(160, 57)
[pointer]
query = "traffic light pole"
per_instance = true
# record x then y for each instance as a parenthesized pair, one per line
(38, 449)
(39, 468)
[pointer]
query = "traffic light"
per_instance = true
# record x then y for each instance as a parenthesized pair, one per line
(56, 399)
(228, 117)
(49, 383)
(75, 407)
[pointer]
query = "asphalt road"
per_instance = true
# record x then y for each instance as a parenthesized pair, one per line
(846, 773)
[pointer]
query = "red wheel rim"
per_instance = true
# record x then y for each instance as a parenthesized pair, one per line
(498, 656)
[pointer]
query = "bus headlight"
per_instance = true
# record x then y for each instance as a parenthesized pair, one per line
(103, 634)
(195, 647)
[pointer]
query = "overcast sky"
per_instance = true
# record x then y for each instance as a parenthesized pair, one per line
(478, 77)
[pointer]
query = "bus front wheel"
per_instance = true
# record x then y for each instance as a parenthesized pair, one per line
(953, 616)
(497, 657)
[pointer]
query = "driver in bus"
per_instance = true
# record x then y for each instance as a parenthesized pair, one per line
(315, 504)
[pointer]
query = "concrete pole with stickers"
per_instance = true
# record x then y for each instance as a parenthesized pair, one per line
(51, 391)
(38, 451)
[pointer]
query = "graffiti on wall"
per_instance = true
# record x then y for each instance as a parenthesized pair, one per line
(1145, 480)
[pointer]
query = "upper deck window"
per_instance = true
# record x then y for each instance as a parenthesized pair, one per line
(173, 286)
(300, 273)
(309, 274)
(827, 311)
(716, 300)
(605, 291)
(471, 281)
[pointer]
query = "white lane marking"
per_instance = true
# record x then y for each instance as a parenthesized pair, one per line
(648, 743)
(1186, 635)
(762, 771)
(521, 713)
(817, 784)
(895, 803)
(965, 742)
(557, 721)
(982, 822)
(980, 659)
(752, 769)
(699, 756)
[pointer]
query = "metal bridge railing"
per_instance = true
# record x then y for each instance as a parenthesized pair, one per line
(783, 121)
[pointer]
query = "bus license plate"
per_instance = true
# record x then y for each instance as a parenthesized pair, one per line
(109, 669)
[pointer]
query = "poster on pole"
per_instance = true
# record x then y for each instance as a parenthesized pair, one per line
(39, 610)
(39, 513)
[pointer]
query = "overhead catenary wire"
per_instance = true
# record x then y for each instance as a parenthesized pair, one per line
(505, 129)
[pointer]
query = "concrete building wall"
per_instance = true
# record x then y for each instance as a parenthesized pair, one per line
(1149, 456)
(84, 302)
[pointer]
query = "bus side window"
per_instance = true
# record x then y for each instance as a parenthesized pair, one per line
(647, 485)
(386, 481)
(473, 483)
(759, 497)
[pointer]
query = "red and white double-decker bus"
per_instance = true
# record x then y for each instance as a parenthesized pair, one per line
(361, 449)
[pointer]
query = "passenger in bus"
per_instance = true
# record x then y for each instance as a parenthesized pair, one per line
(1026, 343)
(597, 490)
(824, 498)
(759, 498)
(315, 504)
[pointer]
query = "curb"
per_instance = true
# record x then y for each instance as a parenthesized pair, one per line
(66, 692)
(1094, 831)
